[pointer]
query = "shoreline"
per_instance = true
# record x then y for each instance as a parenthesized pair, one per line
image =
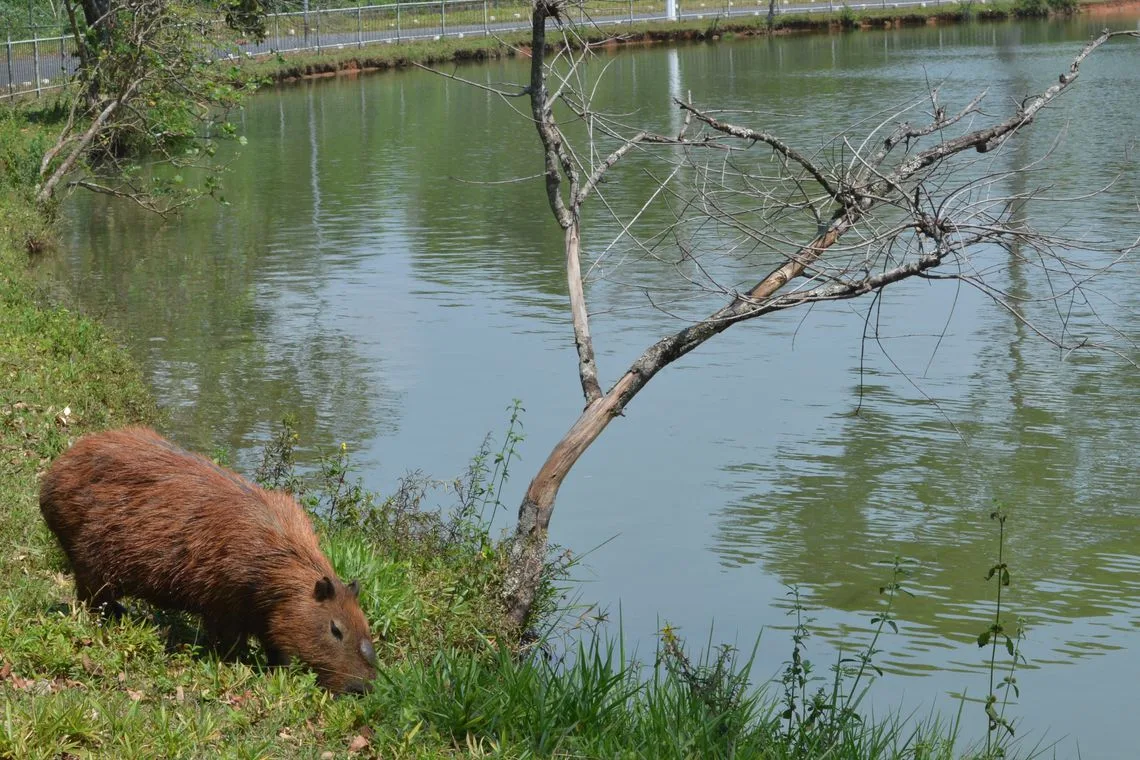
(289, 68)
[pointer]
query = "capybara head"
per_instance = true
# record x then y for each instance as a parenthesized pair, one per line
(328, 631)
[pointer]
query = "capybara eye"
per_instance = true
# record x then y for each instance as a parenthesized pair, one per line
(336, 630)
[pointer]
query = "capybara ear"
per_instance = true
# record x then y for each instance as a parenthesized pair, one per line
(324, 590)
(368, 651)
(354, 587)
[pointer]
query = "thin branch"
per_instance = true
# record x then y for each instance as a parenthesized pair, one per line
(776, 143)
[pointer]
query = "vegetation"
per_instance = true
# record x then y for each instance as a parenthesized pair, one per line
(146, 87)
(1043, 8)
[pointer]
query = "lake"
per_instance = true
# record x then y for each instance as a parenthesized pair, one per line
(367, 278)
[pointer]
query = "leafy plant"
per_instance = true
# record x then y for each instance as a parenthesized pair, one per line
(148, 93)
(1000, 635)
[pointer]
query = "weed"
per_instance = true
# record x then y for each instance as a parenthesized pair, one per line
(998, 634)
(847, 17)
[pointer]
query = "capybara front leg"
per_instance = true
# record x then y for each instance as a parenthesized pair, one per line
(227, 641)
(276, 658)
(99, 598)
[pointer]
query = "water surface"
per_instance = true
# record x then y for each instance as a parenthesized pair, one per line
(355, 281)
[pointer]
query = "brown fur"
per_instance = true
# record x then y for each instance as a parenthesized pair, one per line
(138, 516)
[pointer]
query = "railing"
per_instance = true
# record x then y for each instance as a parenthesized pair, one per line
(33, 66)
(36, 65)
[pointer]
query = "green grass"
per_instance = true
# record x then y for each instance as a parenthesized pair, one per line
(453, 682)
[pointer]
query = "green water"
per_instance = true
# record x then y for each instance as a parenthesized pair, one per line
(354, 281)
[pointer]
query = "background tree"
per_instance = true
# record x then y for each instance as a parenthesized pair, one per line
(153, 85)
(899, 201)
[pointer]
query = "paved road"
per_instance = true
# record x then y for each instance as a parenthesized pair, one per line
(42, 65)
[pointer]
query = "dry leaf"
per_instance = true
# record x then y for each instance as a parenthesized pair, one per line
(180, 694)
(357, 744)
(327, 756)
(237, 700)
(90, 666)
(134, 695)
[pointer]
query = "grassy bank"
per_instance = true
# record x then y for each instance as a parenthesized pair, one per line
(292, 66)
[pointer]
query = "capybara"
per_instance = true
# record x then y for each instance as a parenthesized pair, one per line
(138, 516)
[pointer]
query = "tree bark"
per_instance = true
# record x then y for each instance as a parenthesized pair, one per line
(96, 14)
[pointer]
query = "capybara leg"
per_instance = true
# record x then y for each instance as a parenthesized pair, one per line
(228, 641)
(98, 598)
(276, 658)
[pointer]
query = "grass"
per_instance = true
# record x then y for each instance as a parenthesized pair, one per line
(453, 681)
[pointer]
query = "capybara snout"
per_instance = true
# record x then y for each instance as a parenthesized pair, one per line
(138, 516)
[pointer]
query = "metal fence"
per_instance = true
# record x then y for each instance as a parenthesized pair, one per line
(40, 64)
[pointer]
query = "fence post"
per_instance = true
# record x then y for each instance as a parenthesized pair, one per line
(442, 18)
(62, 60)
(11, 83)
(631, 11)
(486, 26)
(36, 61)
(318, 30)
(276, 32)
(359, 26)
(397, 21)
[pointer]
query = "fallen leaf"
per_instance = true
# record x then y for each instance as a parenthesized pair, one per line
(5, 671)
(327, 756)
(135, 696)
(357, 744)
(179, 694)
(237, 700)
(90, 666)
(122, 677)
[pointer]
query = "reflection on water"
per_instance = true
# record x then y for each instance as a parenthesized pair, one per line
(364, 278)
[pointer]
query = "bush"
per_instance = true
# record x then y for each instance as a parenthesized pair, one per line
(1043, 8)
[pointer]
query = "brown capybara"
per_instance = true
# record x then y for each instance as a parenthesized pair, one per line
(138, 516)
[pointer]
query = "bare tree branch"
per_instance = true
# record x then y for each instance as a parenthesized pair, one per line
(896, 222)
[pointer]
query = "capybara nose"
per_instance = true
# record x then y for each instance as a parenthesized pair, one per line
(357, 687)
